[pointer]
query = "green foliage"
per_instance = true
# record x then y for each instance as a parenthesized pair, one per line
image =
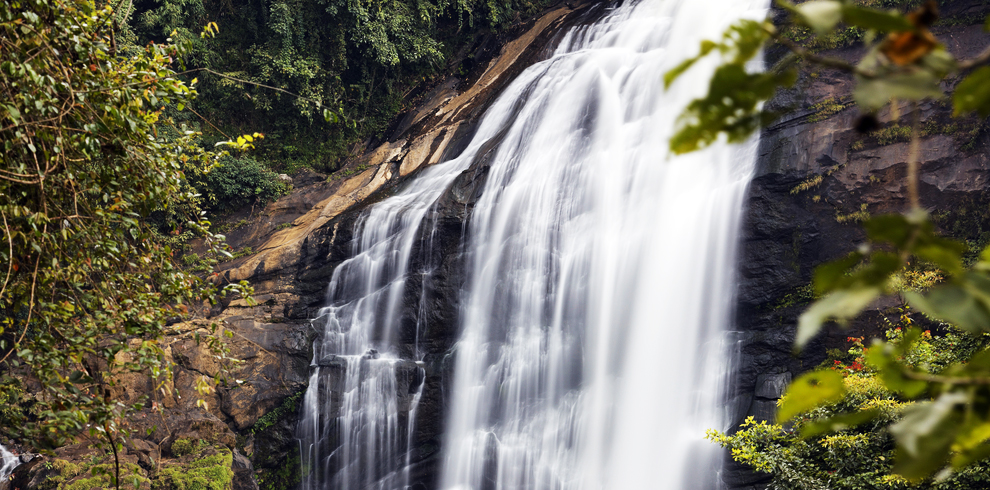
(808, 391)
(211, 470)
(973, 93)
(64, 475)
(844, 443)
(244, 252)
(287, 475)
(236, 182)
(102, 477)
(894, 133)
(730, 108)
(943, 426)
(907, 65)
(278, 66)
(826, 109)
(182, 447)
(856, 217)
(87, 285)
(290, 405)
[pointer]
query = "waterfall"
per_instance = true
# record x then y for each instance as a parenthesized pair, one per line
(600, 271)
(8, 461)
(598, 292)
(358, 410)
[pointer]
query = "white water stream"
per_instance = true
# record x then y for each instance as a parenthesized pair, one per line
(8, 461)
(592, 349)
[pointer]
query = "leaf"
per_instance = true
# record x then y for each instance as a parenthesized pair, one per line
(925, 434)
(840, 305)
(669, 77)
(15, 115)
(952, 303)
(867, 18)
(892, 228)
(822, 16)
(828, 276)
(973, 93)
(874, 93)
(972, 436)
(809, 391)
(838, 422)
(946, 254)
(730, 108)
(906, 48)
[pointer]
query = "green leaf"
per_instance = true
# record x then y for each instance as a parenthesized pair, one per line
(925, 435)
(669, 77)
(867, 18)
(822, 16)
(952, 303)
(838, 422)
(730, 108)
(874, 93)
(973, 93)
(809, 391)
(15, 114)
(828, 276)
(892, 228)
(946, 254)
(840, 305)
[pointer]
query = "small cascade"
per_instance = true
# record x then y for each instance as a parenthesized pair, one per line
(8, 462)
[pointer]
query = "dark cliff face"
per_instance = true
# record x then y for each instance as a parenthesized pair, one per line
(816, 179)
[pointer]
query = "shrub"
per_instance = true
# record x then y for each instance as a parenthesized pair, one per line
(238, 182)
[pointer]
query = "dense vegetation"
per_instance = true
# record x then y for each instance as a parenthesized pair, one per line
(275, 65)
(802, 455)
(89, 283)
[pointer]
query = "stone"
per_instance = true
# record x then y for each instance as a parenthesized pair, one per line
(772, 386)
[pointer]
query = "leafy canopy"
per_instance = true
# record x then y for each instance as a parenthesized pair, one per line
(87, 288)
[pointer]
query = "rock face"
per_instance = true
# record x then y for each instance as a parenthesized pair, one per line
(816, 179)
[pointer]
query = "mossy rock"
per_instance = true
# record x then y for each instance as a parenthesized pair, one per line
(66, 475)
(210, 469)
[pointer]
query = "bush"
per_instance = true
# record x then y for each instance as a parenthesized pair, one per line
(858, 457)
(238, 182)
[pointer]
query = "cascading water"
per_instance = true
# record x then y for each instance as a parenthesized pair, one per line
(599, 283)
(8, 461)
(592, 349)
(359, 407)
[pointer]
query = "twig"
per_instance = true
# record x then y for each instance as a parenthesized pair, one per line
(228, 77)
(814, 58)
(980, 59)
(10, 242)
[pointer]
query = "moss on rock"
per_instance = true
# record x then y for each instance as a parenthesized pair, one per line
(209, 470)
